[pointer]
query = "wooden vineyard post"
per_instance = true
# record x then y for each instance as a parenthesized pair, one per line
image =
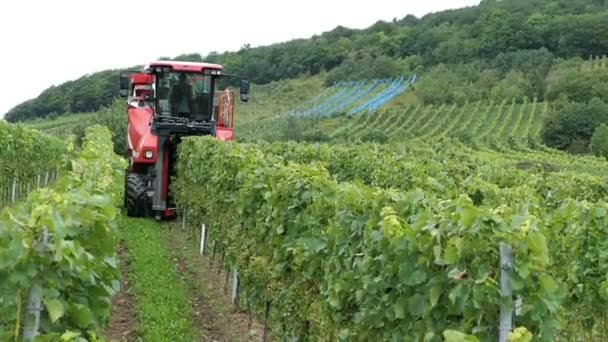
(235, 287)
(221, 264)
(506, 311)
(227, 271)
(266, 313)
(31, 324)
(184, 220)
(33, 309)
(14, 191)
(203, 238)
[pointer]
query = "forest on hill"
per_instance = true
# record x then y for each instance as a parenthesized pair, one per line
(496, 49)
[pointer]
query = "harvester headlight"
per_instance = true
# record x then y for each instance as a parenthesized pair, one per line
(211, 72)
(148, 154)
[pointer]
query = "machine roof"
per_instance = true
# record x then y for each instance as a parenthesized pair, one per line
(184, 66)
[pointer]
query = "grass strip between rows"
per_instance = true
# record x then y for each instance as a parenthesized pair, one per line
(162, 307)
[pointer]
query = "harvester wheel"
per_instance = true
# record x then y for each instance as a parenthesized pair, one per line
(137, 201)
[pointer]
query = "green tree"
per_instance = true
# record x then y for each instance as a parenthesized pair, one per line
(573, 122)
(513, 86)
(599, 141)
(575, 83)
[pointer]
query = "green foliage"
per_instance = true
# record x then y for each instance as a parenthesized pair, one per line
(162, 307)
(441, 85)
(500, 124)
(577, 84)
(599, 141)
(26, 154)
(457, 336)
(76, 270)
(374, 135)
(293, 129)
(86, 94)
(365, 67)
(570, 122)
(513, 86)
(114, 117)
(341, 257)
(504, 77)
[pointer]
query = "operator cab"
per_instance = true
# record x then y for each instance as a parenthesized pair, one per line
(167, 101)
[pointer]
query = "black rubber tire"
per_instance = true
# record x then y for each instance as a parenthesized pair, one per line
(136, 198)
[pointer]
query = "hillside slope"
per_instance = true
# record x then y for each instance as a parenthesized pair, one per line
(516, 40)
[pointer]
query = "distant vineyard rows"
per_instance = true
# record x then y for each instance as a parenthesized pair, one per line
(28, 158)
(504, 124)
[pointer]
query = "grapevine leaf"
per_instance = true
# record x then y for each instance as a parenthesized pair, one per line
(548, 284)
(453, 250)
(435, 294)
(538, 245)
(517, 283)
(55, 309)
(344, 334)
(400, 307)
(457, 336)
(468, 216)
(416, 305)
(82, 315)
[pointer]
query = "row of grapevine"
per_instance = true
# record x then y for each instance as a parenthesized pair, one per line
(29, 158)
(449, 169)
(504, 125)
(566, 201)
(19, 189)
(374, 242)
(596, 62)
(58, 262)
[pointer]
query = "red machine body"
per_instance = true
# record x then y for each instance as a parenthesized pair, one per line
(168, 100)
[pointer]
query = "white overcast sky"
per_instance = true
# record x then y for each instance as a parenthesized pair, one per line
(44, 43)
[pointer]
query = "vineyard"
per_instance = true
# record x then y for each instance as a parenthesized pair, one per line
(353, 97)
(347, 212)
(439, 176)
(375, 111)
(62, 126)
(390, 230)
(58, 268)
(373, 242)
(502, 126)
(327, 241)
(489, 124)
(596, 62)
(29, 159)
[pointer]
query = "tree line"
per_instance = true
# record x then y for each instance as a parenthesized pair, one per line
(498, 49)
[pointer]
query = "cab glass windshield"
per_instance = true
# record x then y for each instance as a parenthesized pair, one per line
(184, 95)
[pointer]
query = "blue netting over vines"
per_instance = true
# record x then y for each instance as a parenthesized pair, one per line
(354, 97)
